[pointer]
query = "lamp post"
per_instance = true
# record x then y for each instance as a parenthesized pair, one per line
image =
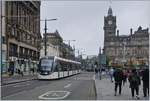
(124, 48)
(1, 41)
(45, 36)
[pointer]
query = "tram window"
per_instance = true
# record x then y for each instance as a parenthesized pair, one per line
(56, 69)
(61, 65)
(73, 66)
(76, 66)
(70, 66)
(65, 68)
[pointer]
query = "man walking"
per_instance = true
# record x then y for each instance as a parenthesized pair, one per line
(134, 80)
(118, 77)
(145, 79)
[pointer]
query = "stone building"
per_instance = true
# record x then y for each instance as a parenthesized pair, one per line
(51, 50)
(56, 47)
(67, 51)
(54, 41)
(131, 49)
(22, 20)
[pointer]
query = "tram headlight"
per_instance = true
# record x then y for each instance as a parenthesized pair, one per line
(45, 72)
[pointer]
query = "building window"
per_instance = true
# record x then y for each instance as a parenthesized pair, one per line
(13, 50)
(3, 40)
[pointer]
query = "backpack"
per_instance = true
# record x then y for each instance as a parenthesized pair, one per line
(134, 79)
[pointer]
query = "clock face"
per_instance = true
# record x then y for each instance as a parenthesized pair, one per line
(109, 22)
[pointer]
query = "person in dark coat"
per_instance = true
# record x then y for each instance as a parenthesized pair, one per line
(118, 77)
(124, 77)
(134, 80)
(145, 79)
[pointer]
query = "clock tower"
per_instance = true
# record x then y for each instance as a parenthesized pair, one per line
(109, 25)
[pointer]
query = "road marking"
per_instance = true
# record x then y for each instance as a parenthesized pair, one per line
(15, 84)
(54, 95)
(68, 85)
(84, 78)
(21, 85)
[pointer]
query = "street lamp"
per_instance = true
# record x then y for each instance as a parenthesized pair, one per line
(124, 49)
(45, 36)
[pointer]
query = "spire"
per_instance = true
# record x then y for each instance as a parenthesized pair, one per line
(110, 12)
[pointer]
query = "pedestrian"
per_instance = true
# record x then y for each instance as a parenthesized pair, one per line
(100, 73)
(9, 71)
(124, 77)
(33, 71)
(96, 71)
(21, 71)
(111, 72)
(134, 80)
(118, 77)
(145, 79)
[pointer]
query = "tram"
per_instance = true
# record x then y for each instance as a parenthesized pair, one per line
(53, 67)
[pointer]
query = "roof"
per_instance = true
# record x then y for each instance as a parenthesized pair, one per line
(55, 34)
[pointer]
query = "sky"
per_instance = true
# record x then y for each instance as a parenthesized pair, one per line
(83, 21)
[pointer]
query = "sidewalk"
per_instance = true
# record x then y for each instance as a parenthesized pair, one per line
(17, 78)
(105, 91)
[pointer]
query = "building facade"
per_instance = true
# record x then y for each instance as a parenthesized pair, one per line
(67, 51)
(3, 36)
(53, 44)
(56, 47)
(54, 41)
(51, 50)
(22, 34)
(131, 49)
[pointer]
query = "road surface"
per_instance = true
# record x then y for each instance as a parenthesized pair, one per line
(77, 87)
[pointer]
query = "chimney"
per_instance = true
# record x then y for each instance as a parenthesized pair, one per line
(117, 32)
(131, 31)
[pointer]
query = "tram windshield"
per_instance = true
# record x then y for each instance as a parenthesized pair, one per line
(46, 65)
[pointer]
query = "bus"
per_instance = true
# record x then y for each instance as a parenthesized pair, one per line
(53, 67)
